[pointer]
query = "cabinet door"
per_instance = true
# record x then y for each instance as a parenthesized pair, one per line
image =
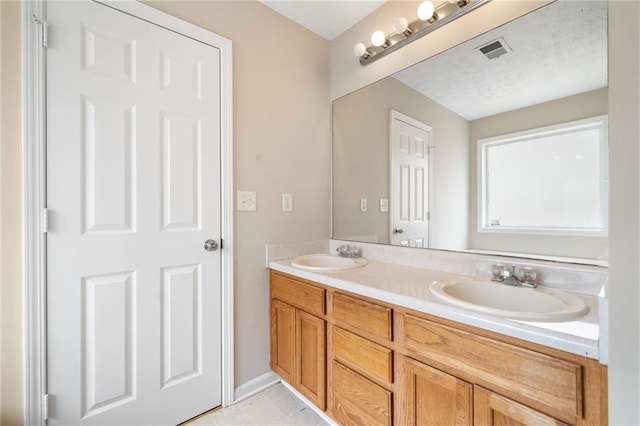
(310, 357)
(433, 397)
(283, 340)
(493, 409)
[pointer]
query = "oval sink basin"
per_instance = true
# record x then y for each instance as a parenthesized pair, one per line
(521, 303)
(327, 262)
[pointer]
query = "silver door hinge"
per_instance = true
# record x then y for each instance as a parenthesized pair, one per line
(45, 220)
(45, 406)
(45, 30)
(428, 215)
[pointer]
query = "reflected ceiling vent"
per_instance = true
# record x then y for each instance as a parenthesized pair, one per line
(494, 49)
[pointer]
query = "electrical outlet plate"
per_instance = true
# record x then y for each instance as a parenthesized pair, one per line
(287, 202)
(384, 205)
(363, 205)
(247, 201)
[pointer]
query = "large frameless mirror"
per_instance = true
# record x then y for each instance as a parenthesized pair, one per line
(497, 145)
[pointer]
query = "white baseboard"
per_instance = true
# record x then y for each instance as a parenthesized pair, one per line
(319, 412)
(254, 386)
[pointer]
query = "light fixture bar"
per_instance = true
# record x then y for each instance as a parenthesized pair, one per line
(443, 14)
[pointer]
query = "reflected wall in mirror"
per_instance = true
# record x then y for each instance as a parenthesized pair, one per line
(543, 69)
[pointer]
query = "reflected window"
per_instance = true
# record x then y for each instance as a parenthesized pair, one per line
(551, 180)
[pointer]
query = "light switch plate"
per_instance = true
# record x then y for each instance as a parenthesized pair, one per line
(363, 205)
(247, 201)
(384, 205)
(287, 202)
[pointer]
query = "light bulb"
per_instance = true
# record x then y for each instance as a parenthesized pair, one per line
(425, 10)
(378, 38)
(359, 49)
(400, 25)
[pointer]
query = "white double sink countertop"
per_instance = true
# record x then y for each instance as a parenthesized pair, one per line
(408, 287)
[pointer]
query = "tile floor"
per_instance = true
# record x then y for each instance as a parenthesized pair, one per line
(275, 405)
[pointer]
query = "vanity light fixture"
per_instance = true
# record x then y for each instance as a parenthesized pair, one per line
(430, 18)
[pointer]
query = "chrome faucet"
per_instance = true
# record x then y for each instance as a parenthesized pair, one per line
(500, 274)
(348, 251)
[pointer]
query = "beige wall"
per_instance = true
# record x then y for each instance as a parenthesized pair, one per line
(281, 145)
(585, 105)
(262, 154)
(348, 75)
(361, 163)
(10, 286)
(624, 233)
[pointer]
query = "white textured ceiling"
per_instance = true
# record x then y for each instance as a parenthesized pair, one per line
(558, 50)
(327, 18)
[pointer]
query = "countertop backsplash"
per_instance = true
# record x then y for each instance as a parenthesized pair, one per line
(577, 278)
(563, 276)
(282, 251)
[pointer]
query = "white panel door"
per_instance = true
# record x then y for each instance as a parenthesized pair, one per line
(134, 300)
(409, 209)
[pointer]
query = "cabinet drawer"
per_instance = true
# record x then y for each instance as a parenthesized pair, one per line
(356, 400)
(366, 316)
(553, 383)
(362, 354)
(298, 294)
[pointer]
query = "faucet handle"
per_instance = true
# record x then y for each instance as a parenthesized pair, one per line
(497, 272)
(348, 251)
(529, 275)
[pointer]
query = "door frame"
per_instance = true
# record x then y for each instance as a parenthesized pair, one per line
(34, 185)
(396, 115)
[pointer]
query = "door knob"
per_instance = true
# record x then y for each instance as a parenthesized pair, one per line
(210, 245)
(398, 230)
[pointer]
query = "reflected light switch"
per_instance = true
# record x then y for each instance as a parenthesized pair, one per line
(287, 202)
(384, 205)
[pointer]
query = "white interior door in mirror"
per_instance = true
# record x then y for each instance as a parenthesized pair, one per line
(409, 174)
(134, 308)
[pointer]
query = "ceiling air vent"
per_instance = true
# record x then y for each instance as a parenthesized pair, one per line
(494, 49)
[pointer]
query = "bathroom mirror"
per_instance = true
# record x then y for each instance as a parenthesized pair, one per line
(527, 77)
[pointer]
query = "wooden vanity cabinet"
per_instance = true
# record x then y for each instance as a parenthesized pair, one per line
(298, 336)
(388, 365)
